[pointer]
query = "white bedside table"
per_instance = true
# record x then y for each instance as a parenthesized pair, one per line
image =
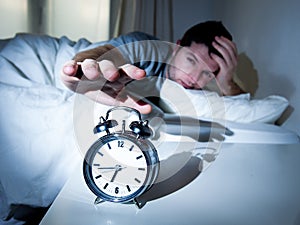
(246, 184)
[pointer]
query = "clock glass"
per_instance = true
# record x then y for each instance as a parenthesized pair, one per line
(117, 168)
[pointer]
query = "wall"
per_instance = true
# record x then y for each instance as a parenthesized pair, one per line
(13, 17)
(73, 18)
(78, 18)
(189, 12)
(267, 32)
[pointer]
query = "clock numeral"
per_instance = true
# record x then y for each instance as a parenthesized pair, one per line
(100, 153)
(128, 188)
(117, 190)
(98, 176)
(143, 169)
(139, 157)
(108, 145)
(120, 144)
(96, 164)
(105, 186)
(131, 148)
(137, 180)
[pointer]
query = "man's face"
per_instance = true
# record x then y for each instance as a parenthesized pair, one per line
(192, 67)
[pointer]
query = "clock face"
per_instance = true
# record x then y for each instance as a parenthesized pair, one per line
(117, 169)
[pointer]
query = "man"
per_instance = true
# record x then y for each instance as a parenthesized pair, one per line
(205, 52)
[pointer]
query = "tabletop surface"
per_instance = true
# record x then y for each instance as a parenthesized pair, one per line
(245, 184)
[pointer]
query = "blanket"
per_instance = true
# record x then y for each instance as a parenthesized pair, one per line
(37, 141)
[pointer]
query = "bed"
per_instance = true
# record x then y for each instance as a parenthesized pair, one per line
(41, 132)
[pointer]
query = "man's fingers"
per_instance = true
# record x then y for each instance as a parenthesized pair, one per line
(133, 71)
(226, 47)
(90, 69)
(70, 68)
(94, 70)
(68, 75)
(108, 70)
(104, 82)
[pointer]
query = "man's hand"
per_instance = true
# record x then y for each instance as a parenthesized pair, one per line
(103, 82)
(227, 65)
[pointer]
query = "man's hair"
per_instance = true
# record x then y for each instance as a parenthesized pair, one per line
(205, 33)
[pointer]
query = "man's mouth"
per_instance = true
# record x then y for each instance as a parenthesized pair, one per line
(185, 85)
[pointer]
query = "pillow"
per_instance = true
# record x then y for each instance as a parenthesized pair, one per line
(209, 105)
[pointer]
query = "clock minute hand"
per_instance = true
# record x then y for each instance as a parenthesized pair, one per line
(117, 169)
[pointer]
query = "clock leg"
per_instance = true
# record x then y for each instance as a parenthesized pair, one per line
(139, 204)
(98, 200)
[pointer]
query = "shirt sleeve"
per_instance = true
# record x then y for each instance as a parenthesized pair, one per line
(131, 37)
(144, 51)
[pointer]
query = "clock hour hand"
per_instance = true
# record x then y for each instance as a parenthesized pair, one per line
(107, 168)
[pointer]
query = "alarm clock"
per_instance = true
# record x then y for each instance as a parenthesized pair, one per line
(122, 164)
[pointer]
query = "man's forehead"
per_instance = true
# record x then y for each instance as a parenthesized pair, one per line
(202, 54)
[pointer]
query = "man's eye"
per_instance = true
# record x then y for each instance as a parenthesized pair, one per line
(192, 61)
(208, 74)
